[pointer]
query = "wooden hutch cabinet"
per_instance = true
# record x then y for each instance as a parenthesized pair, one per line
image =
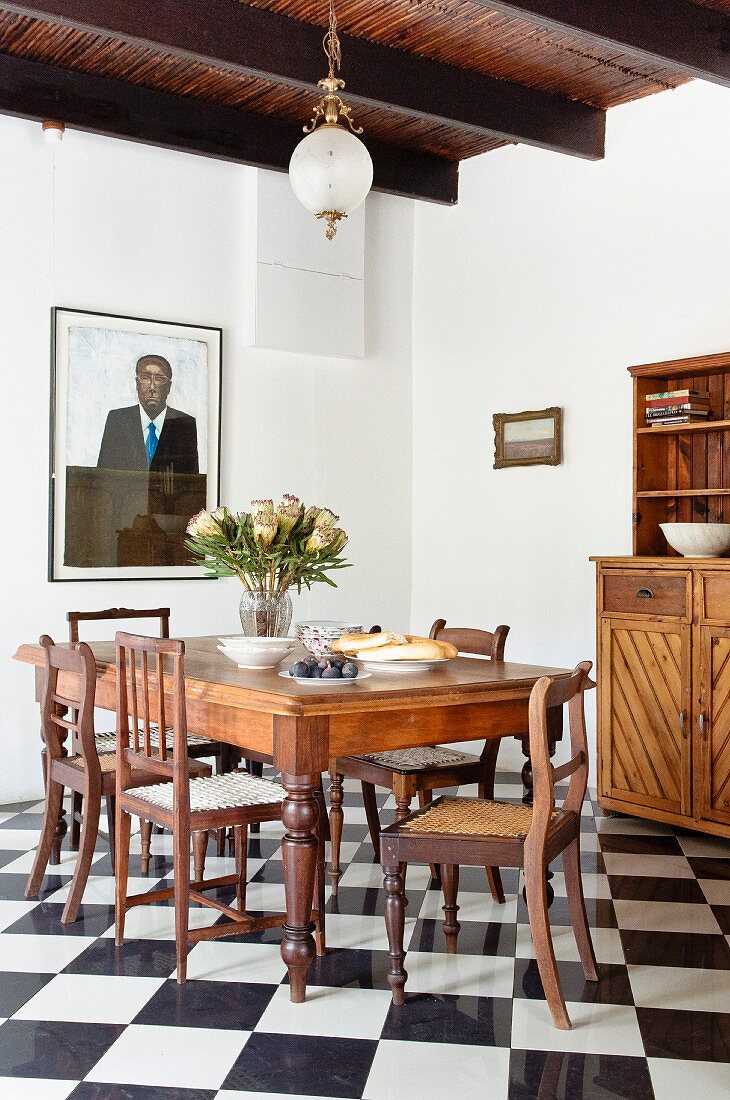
(664, 620)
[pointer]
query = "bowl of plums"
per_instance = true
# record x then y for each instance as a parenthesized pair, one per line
(325, 670)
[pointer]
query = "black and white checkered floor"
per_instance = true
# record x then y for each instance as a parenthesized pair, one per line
(80, 1018)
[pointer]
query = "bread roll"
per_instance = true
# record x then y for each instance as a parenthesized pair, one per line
(352, 643)
(413, 649)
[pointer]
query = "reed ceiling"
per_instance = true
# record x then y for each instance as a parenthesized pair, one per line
(432, 81)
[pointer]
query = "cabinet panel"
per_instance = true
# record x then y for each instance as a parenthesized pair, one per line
(712, 784)
(645, 682)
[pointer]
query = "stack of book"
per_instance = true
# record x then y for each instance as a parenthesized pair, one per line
(677, 407)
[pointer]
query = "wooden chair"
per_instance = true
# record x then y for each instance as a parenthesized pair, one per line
(419, 771)
(474, 831)
(150, 671)
(225, 756)
(63, 711)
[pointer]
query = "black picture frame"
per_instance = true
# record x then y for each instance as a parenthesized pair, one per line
(87, 502)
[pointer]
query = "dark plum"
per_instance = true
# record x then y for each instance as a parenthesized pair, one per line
(300, 668)
(338, 662)
(349, 671)
(331, 673)
(311, 661)
(315, 673)
(324, 662)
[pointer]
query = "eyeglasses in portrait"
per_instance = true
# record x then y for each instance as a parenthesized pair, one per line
(135, 443)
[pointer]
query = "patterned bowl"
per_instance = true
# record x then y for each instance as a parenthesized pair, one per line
(317, 635)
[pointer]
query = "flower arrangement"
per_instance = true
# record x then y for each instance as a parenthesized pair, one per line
(269, 549)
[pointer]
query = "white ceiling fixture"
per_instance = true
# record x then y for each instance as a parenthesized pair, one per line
(53, 131)
(330, 170)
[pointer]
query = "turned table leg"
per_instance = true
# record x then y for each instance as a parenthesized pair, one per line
(299, 854)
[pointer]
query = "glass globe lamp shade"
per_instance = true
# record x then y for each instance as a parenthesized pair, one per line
(331, 170)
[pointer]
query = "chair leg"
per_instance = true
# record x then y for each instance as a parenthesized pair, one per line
(89, 833)
(577, 908)
(240, 840)
(402, 810)
(318, 901)
(371, 814)
(336, 816)
(450, 883)
(486, 790)
(200, 845)
(537, 908)
(395, 920)
(145, 832)
(181, 867)
(255, 767)
(77, 804)
(122, 834)
(54, 798)
(325, 817)
(425, 798)
(111, 817)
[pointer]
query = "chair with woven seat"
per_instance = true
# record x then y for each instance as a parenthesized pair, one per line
(84, 771)
(419, 771)
(475, 831)
(151, 673)
(225, 756)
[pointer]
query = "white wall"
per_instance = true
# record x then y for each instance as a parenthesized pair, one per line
(145, 232)
(549, 278)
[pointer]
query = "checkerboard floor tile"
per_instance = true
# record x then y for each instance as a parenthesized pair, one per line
(84, 1020)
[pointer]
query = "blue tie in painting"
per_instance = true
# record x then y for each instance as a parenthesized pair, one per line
(152, 442)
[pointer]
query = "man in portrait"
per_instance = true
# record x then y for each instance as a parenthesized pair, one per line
(150, 435)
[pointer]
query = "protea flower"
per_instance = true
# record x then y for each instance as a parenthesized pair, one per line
(339, 541)
(288, 512)
(261, 507)
(265, 527)
(320, 539)
(204, 525)
(311, 514)
(325, 518)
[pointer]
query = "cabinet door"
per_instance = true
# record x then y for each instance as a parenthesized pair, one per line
(644, 746)
(712, 762)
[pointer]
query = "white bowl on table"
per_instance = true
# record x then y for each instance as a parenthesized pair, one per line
(317, 635)
(256, 652)
(698, 540)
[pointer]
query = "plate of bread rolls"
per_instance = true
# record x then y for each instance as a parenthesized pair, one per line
(390, 651)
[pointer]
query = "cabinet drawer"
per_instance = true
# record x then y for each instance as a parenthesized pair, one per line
(646, 594)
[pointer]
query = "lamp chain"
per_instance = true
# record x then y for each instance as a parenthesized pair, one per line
(331, 43)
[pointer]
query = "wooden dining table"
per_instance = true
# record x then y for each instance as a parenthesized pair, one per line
(302, 726)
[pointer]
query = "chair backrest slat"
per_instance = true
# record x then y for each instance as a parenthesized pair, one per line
(486, 643)
(554, 692)
(77, 696)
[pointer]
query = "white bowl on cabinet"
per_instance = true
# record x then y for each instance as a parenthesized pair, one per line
(698, 540)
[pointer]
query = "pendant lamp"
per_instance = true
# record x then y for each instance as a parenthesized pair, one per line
(330, 170)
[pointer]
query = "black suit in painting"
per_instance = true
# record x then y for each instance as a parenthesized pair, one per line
(123, 446)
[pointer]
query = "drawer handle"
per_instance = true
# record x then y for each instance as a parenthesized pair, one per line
(645, 594)
(703, 727)
(682, 731)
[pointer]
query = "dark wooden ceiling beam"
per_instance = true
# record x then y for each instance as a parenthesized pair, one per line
(261, 43)
(687, 37)
(100, 105)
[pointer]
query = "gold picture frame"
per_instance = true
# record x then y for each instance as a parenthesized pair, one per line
(540, 444)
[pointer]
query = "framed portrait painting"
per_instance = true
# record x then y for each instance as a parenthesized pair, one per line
(135, 444)
(528, 438)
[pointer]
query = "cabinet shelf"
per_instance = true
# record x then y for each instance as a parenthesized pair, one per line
(680, 429)
(667, 493)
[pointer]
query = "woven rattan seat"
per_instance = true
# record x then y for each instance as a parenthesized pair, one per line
(408, 760)
(473, 817)
(107, 762)
(107, 742)
(216, 792)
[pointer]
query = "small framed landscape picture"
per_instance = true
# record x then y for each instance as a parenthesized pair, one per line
(135, 444)
(528, 438)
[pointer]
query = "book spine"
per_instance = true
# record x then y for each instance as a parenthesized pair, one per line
(674, 410)
(690, 402)
(703, 394)
(674, 420)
